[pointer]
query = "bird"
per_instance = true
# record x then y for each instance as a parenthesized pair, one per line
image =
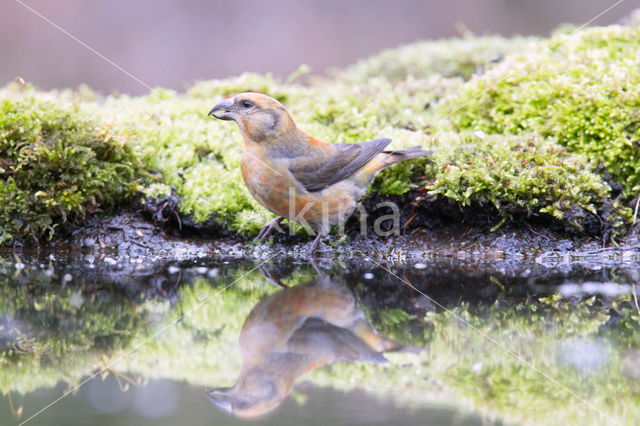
(295, 331)
(296, 176)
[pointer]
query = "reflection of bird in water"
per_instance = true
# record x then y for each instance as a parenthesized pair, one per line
(295, 331)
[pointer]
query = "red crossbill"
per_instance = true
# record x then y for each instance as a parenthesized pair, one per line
(297, 176)
(295, 331)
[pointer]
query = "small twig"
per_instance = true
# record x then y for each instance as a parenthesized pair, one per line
(123, 380)
(139, 244)
(18, 412)
(535, 232)
(635, 296)
(635, 212)
(469, 245)
(408, 222)
(123, 388)
(178, 219)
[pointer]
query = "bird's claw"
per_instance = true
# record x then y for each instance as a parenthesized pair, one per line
(268, 229)
(313, 249)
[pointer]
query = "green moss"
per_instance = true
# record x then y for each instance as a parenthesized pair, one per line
(581, 89)
(521, 173)
(56, 167)
(496, 137)
(449, 58)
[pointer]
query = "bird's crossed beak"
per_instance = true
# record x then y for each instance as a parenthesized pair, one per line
(221, 398)
(225, 110)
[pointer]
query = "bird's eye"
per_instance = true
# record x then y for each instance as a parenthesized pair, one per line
(246, 104)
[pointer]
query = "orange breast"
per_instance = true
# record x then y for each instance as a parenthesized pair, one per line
(271, 184)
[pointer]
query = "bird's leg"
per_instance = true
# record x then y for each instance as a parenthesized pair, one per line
(314, 245)
(314, 264)
(268, 228)
(273, 280)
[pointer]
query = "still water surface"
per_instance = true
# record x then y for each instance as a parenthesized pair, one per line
(288, 342)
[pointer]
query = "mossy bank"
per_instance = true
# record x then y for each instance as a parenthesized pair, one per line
(526, 128)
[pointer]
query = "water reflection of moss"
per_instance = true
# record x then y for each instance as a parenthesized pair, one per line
(202, 347)
(458, 362)
(50, 332)
(547, 334)
(404, 327)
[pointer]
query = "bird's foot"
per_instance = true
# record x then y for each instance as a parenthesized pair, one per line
(314, 249)
(269, 276)
(268, 229)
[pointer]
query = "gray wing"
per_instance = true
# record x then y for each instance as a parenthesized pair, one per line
(347, 159)
(318, 338)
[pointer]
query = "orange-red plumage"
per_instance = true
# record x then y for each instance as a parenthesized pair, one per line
(297, 176)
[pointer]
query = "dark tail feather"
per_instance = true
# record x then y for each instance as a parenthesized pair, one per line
(407, 154)
(384, 159)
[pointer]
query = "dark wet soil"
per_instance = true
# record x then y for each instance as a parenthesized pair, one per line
(133, 236)
(154, 229)
(152, 232)
(136, 254)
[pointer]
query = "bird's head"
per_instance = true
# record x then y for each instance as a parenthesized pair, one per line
(256, 393)
(259, 117)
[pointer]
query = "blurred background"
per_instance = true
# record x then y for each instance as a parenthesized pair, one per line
(171, 43)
